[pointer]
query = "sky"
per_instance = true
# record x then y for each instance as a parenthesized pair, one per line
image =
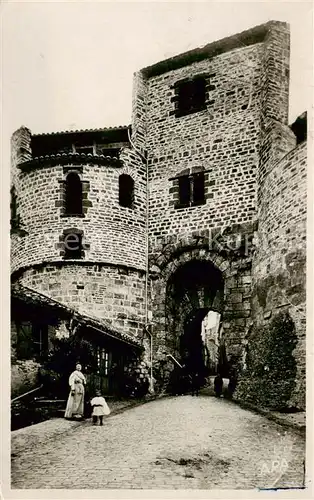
(69, 65)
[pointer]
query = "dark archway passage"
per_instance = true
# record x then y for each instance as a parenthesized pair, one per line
(192, 291)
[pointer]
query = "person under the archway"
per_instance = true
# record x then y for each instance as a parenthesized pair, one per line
(195, 382)
(218, 384)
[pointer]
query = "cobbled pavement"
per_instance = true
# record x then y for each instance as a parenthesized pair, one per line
(171, 443)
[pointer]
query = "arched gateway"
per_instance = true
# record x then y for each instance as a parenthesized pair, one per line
(190, 286)
(193, 290)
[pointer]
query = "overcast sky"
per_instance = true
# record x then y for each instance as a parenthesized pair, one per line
(69, 65)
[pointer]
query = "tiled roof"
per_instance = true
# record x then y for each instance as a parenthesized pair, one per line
(72, 158)
(30, 296)
(105, 129)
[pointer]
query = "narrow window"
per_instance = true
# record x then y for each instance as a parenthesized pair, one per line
(40, 338)
(24, 344)
(73, 194)
(191, 96)
(105, 357)
(13, 207)
(126, 191)
(184, 190)
(198, 189)
(73, 245)
(191, 190)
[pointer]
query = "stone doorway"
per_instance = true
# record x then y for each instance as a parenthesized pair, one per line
(193, 290)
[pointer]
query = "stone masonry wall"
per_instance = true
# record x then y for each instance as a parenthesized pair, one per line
(235, 303)
(245, 92)
(210, 139)
(279, 265)
(111, 233)
(113, 293)
(247, 85)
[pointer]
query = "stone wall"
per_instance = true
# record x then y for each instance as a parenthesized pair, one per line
(108, 281)
(254, 179)
(113, 293)
(210, 139)
(111, 233)
(246, 85)
(279, 265)
(234, 305)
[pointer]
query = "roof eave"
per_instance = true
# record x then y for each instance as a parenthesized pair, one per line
(246, 38)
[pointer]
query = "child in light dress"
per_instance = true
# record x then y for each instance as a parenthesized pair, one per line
(100, 408)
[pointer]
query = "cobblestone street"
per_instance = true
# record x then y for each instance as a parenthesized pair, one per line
(170, 443)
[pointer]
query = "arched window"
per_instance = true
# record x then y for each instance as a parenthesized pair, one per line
(126, 191)
(73, 194)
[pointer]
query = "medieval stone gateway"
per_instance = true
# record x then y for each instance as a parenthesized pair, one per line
(132, 235)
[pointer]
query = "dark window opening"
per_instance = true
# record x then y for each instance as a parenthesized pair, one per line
(40, 338)
(32, 340)
(299, 128)
(84, 149)
(15, 222)
(191, 96)
(198, 189)
(72, 244)
(184, 190)
(126, 191)
(191, 190)
(113, 152)
(73, 194)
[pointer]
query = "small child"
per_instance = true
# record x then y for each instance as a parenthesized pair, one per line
(100, 408)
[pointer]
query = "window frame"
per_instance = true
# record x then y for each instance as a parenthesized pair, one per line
(192, 202)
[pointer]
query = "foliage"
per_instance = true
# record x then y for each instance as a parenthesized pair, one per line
(136, 379)
(269, 378)
(65, 354)
(68, 351)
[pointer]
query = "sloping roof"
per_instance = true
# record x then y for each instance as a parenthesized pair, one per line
(32, 297)
(213, 49)
(55, 142)
(74, 158)
(102, 129)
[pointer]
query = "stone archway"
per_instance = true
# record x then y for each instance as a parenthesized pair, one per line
(232, 303)
(195, 288)
(163, 268)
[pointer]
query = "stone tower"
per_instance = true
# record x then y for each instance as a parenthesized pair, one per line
(198, 207)
(80, 235)
(207, 120)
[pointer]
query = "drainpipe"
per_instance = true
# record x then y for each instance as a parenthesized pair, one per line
(146, 328)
